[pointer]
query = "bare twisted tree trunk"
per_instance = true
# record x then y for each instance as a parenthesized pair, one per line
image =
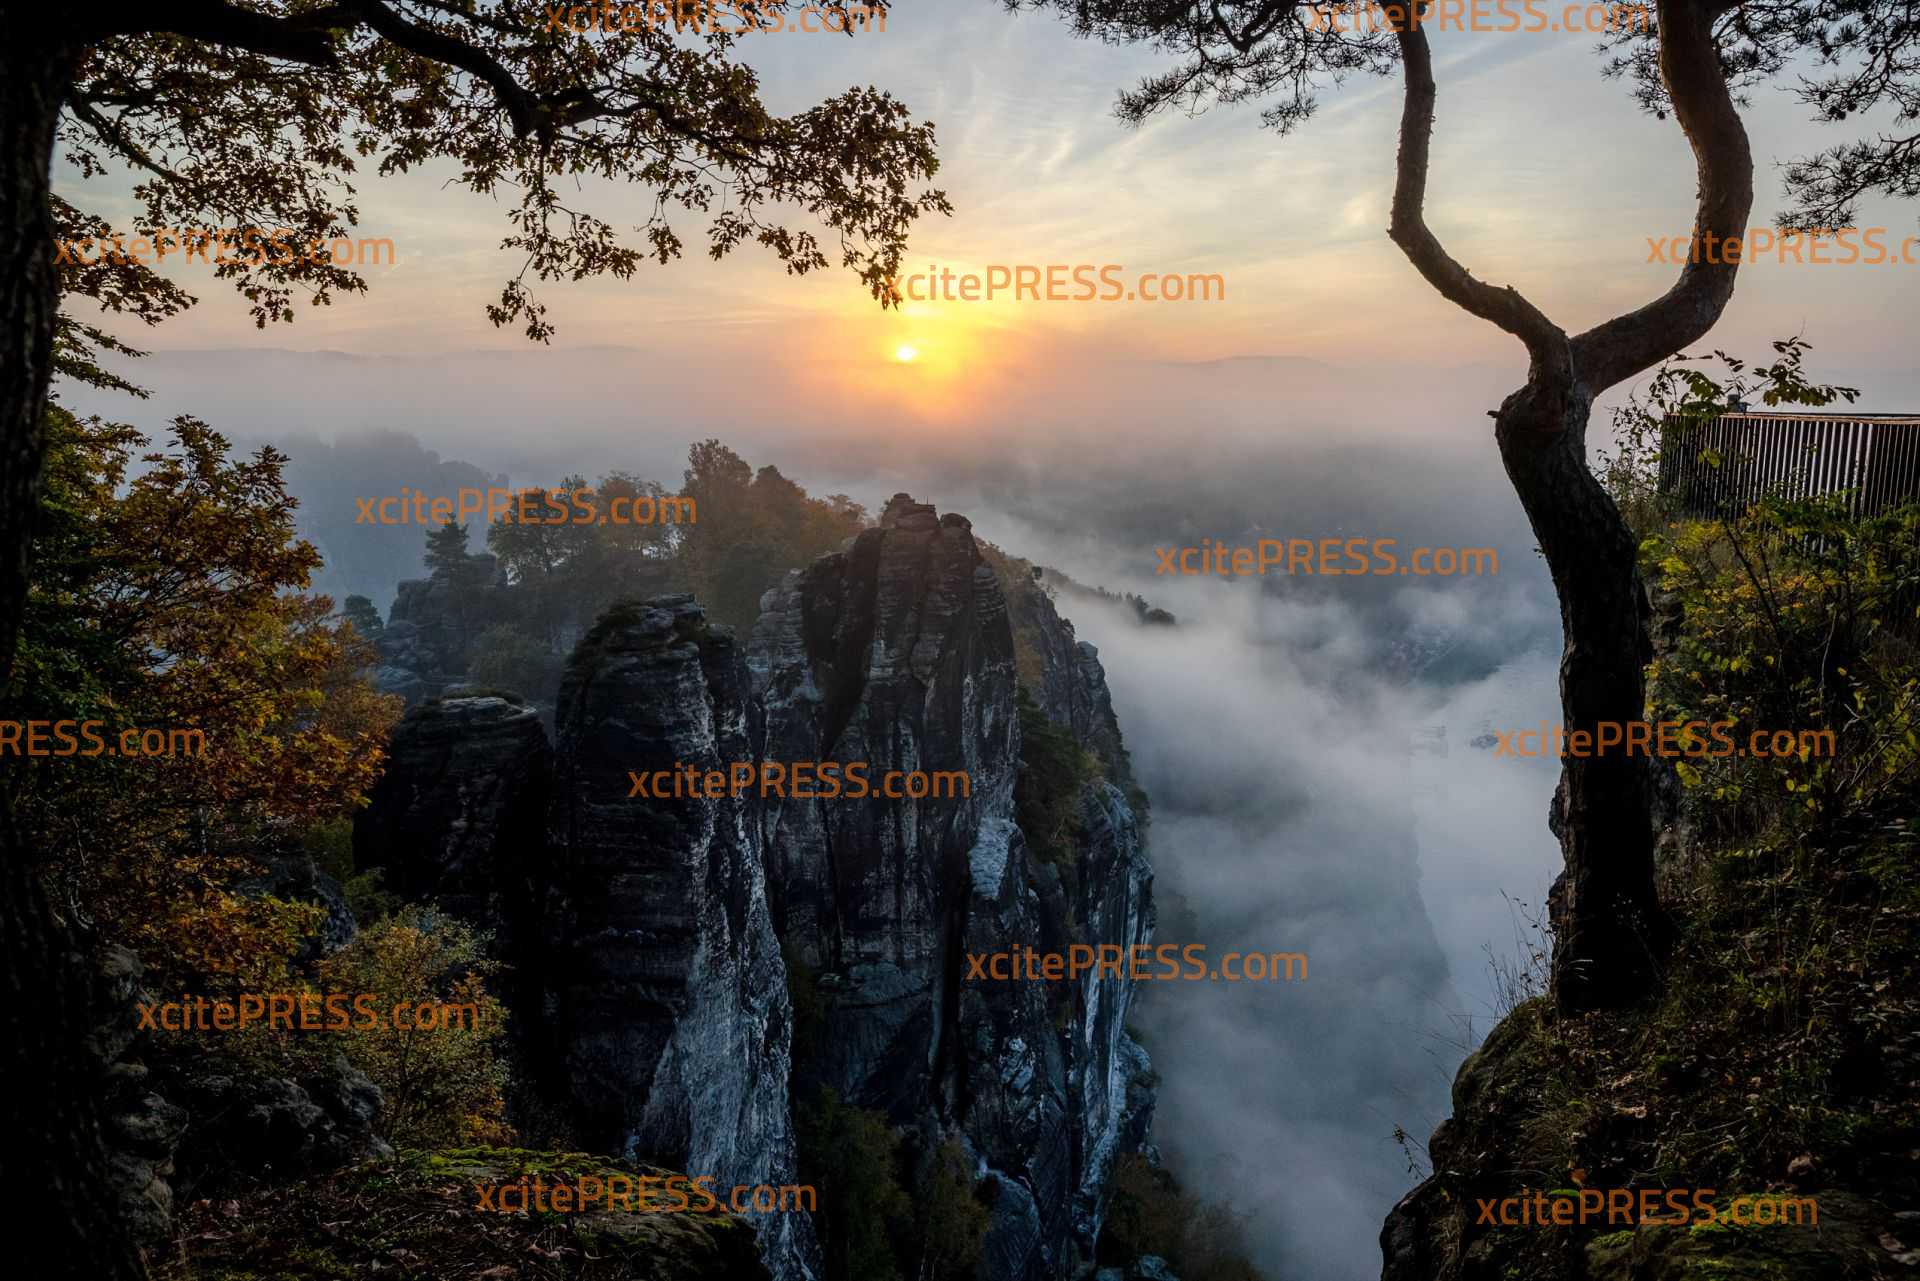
(1611, 932)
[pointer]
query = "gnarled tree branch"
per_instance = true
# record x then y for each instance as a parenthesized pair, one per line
(298, 39)
(116, 137)
(1505, 307)
(1690, 65)
(522, 108)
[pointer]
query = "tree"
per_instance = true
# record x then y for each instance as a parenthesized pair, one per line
(505, 658)
(173, 601)
(623, 540)
(851, 1152)
(253, 116)
(1151, 1214)
(716, 476)
(168, 600)
(447, 550)
(528, 550)
(364, 616)
(751, 528)
(950, 1220)
(443, 1085)
(1611, 930)
(54, 1148)
(313, 89)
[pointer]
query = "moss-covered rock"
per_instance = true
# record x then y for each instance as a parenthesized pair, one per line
(1545, 1101)
(417, 1218)
(1846, 1243)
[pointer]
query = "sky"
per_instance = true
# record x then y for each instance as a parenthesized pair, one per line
(1331, 391)
(1544, 176)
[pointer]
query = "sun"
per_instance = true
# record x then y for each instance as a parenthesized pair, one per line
(905, 354)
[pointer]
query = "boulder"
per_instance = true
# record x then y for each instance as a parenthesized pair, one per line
(459, 817)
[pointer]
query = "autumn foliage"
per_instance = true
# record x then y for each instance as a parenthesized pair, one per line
(443, 1086)
(170, 595)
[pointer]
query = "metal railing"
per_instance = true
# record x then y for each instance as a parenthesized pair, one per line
(1790, 455)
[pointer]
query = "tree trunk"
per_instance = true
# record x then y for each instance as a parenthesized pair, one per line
(1611, 933)
(33, 80)
(54, 1163)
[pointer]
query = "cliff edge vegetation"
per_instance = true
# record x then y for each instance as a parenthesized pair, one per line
(1774, 1082)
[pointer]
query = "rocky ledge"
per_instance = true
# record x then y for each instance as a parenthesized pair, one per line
(416, 1218)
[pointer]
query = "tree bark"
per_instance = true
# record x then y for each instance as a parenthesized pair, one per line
(52, 1161)
(1610, 933)
(34, 75)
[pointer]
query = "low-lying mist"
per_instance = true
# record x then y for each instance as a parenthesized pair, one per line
(1307, 748)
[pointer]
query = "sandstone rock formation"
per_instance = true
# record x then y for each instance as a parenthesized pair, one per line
(900, 652)
(431, 628)
(459, 817)
(665, 983)
(653, 927)
(142, 1129)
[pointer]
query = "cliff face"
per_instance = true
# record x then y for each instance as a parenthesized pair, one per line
(666, 990)
(655, 926)
(1048, 1087)
(1065, 677)
(897, 653)
(1013, 1064)
(1112, 1106)
(900, 652)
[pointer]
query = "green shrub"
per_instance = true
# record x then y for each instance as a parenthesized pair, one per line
(851, 1156)
(1150, 1214)
(1792, 617)
(1676, 401)
(508, 659)
(951, 1222)
(1054, 769)
(330, 845)
(443, 1086)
